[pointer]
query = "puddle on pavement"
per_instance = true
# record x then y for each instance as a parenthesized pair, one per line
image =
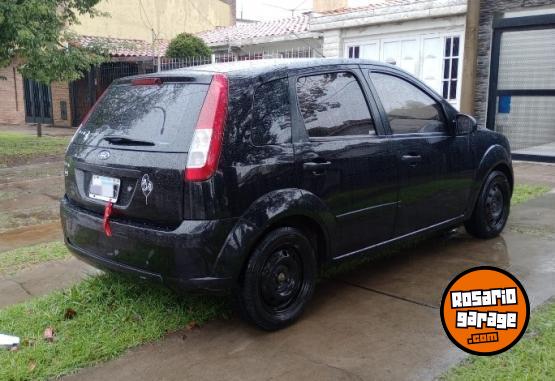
(30, 235)
(30, 172)
(34, 216)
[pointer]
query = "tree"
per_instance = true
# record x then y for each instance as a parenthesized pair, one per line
(187, 45)
(35, 32)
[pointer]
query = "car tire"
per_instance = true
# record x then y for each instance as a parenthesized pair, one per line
(279, 279)
(492, 207)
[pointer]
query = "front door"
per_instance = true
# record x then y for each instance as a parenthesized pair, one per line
(343, 159)
(435, 170)
(38, 102)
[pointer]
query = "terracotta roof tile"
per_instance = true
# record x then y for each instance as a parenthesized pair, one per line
(119, 47)
(298, 24)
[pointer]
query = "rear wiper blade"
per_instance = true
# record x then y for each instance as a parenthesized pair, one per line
(120, 140)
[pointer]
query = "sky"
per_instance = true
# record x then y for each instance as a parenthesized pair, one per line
(271, 9)
(278, 9)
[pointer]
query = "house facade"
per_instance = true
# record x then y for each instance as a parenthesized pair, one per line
(288, 37)
(148, 19)
(423, 37)
(133, 34)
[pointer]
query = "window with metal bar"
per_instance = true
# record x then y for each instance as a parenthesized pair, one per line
(354, 51)
(451, 67)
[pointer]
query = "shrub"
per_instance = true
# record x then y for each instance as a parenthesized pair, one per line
(187, 45)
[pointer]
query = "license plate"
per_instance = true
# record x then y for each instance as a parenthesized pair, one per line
(104, 188)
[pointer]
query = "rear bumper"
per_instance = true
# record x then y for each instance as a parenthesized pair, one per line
(182, 258)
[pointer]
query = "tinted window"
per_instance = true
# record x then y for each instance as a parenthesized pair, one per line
(271, 115)
(409, 110)
(165, 115)
(333, 105)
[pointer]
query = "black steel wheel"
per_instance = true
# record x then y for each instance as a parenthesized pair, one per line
(279, 279)
(492, 207)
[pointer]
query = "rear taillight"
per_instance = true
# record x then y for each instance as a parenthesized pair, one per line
(206, 145)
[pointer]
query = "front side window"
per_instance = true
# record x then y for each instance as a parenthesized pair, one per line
(271, 114)
(409, 109)
(333, 104)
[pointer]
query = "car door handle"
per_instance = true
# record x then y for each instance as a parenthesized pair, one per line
(411, 158)
(316, 165)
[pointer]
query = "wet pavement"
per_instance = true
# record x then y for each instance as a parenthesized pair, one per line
(534, 173)
(30, 235)
(380, 321)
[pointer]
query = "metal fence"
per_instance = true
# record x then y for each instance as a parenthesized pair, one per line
(165, 63)
(85, 91)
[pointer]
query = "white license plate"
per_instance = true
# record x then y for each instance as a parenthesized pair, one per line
(104, 188)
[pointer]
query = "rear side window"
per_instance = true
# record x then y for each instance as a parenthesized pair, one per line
(163, 115)
(271, 114)
(333, 104)
(409, 109)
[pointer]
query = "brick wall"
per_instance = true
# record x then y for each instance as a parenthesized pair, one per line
(489, 9)
(12, 106)
(60, 93)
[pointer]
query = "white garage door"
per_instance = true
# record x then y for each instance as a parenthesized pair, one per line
(435, 59)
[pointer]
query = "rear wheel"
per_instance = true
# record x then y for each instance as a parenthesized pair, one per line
(492, 207)
(279, 279)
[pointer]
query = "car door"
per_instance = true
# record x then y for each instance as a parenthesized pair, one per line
(435, 166)
(342, 156)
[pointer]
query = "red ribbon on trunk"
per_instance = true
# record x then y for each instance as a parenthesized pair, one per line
(106, 220)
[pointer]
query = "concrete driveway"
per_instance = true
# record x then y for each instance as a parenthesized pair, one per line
(380, 321)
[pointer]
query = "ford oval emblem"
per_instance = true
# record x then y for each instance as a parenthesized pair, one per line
(103, 155)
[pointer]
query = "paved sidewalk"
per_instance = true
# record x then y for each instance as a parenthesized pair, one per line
(42, 279)
(527, 172)
(379, 322)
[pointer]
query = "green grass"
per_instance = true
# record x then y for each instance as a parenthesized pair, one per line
(533, 358)
(524, 192)
(112, 315)
(15, 260)
(19, 148)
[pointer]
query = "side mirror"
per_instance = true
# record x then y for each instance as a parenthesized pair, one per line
(465, 124)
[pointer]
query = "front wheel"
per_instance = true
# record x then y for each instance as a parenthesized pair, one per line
(279, 279)
(492, 207)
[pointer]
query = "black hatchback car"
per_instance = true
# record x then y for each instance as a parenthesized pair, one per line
(249, 177)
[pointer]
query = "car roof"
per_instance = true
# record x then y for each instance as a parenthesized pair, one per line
(264, 66)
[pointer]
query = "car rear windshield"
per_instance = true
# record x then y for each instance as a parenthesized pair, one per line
(146, 118)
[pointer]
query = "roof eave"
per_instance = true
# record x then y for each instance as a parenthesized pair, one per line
(266, 39)
(431, 9)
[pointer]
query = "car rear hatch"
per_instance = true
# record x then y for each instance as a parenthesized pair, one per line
(132, 149)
